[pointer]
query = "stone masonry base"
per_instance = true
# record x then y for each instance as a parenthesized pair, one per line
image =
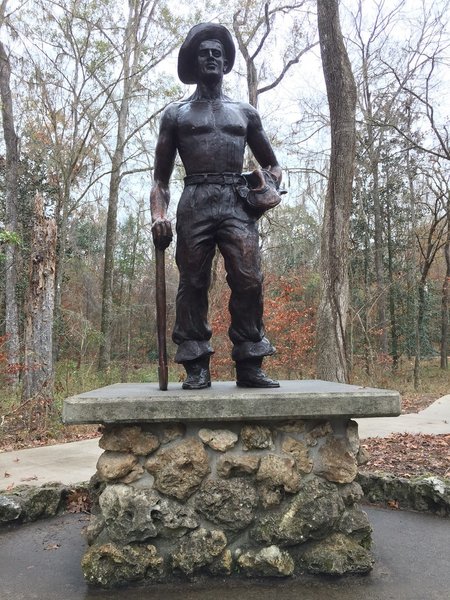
(231, 493)
(267, 499)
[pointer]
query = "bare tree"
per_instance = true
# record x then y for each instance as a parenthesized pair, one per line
(341, 91)
(12, 198)
(445, 299)
(375, 104)
(253, 24)
(438, 180)
(39, 305)
(63, 109)
(429, 135)
(429, 243)
(142, 14)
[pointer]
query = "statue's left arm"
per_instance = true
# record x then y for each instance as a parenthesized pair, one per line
(260, 146)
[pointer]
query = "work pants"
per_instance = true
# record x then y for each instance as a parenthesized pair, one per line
(210, 216)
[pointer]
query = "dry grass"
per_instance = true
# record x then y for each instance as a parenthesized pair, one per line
(435, 382)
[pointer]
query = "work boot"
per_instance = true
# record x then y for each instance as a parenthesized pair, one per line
(250, 374)
(198, 376)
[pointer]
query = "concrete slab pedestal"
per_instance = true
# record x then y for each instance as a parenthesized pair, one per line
(227, 481)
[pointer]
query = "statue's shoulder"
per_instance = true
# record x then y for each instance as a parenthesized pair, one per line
(246, 109)
(237, 103)
(169, 118)
(172, 109)
(251, 114)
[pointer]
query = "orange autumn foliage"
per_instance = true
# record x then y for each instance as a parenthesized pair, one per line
(290, 326)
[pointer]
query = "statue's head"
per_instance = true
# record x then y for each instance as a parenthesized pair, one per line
(202, 41)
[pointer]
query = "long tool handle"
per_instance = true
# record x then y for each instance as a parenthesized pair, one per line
(163, 374)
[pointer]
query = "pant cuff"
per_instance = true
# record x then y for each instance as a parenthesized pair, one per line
(245, 350)
(193, 349)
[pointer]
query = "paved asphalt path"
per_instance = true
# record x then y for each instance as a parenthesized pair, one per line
(41, 561)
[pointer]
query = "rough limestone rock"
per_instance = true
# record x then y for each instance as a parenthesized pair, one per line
(256, 437)
(135, 515)
(351, 493)
(129, 439)
(312, 514)
(10, 509)
(338, 555)
(218, 439)
(292, 427)
(363, 456)
(136, 473)
(129, 515)
(319, 430)
(198, 549)
(95, 527)
(268, 562)
(300, 452)
(353, 437)
(179, 469)
(171, 432)
(277, 475)
(29, 503)
(114, 465)
(336, 461)
(233, 465)
(95, 488)
(41, 502)
(110, 565)
(176, 518)
(431, 494)
(355, 523)
(230, 503)
(223, 565)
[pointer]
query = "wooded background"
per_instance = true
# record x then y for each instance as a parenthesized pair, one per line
(82, 86)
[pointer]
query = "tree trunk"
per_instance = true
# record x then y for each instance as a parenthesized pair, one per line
(372, 148)
(412, 267)
(38, 366)
(110, 245)
(11, 225)
(419, 332)
(332, 361)
(392, 296)
(129, 308)
(379, 266)
(445, 297)
(113, 200)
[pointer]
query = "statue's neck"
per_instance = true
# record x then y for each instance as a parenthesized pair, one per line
(208, 91)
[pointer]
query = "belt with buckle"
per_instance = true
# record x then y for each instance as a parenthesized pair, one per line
(215, 178)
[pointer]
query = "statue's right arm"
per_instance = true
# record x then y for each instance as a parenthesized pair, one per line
(165, 152)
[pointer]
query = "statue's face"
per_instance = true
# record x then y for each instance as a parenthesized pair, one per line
(211, 60)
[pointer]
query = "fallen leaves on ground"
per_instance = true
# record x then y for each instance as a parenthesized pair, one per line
(415, 402)
(52, 547)
(78, 501)
(17, 438)
(408, 455)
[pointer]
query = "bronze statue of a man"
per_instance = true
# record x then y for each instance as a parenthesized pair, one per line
(210, 132)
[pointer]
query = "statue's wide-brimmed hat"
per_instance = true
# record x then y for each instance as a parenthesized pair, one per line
(187, 57)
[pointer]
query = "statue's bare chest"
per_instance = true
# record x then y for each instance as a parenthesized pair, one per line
(201, 118)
